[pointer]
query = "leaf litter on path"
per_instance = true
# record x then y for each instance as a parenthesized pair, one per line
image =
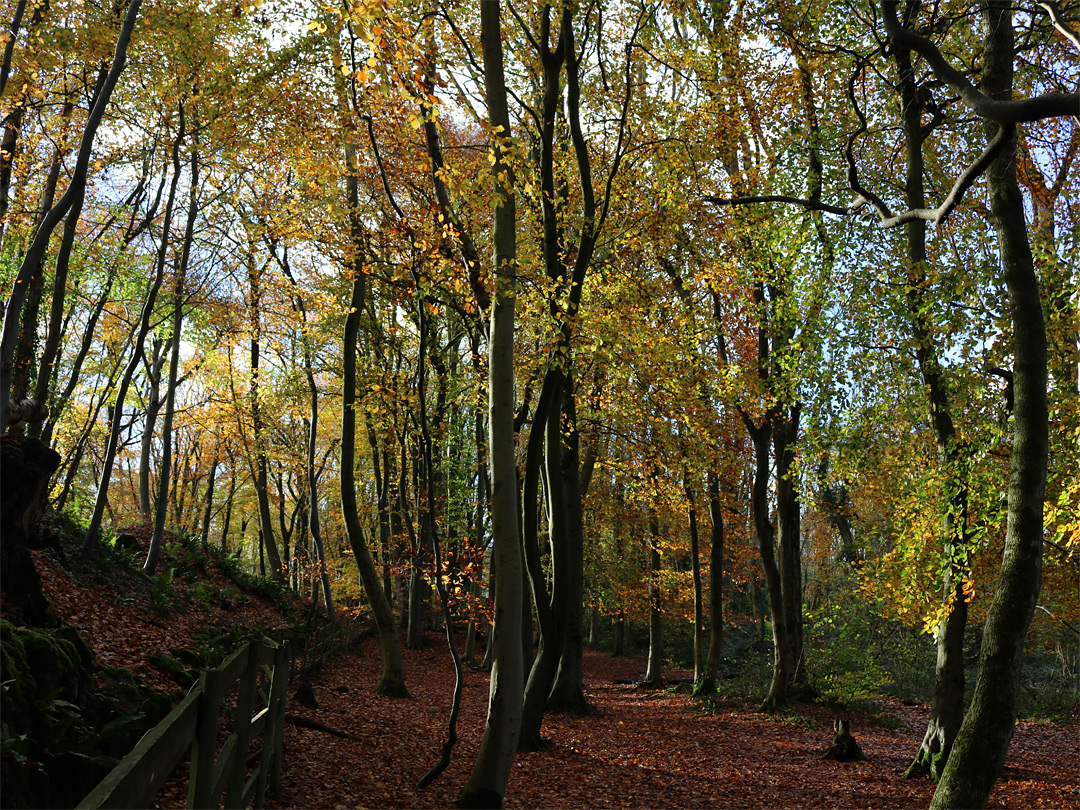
(641, 749)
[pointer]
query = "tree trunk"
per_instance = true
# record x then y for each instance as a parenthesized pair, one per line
(392, 681)
(979, 751)
(947, 706)
(162, 506)
(654, 675)
(228, 512)
(491, 773)
(707, 683)
(567, 693)
(618, 637)
(208, 501)
(36, 253)
(266, 523)
(414, 634)
(541, 447)
(553, 610)
(116, 416)
(157, 538)
(699, 606)
(788, 514)
(783, 658)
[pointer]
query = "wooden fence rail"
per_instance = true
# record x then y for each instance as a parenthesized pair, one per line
(194, 724)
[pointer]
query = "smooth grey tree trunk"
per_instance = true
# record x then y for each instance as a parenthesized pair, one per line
(979, 751)
(490, 775)
(392, 680)
(654, 668)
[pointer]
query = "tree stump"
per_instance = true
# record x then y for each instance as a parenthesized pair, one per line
(843, 747)
(305, 695)
(26, 465)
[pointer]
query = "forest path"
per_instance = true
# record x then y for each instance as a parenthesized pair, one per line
(642, 749)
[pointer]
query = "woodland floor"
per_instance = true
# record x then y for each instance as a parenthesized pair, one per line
(642, 749)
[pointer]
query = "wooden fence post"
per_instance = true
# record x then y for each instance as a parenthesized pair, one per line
(204, 745)
(276, 732)
(245, 701)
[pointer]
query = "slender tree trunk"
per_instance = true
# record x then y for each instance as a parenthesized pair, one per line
(45, 368)
(157, 538)
(228, 513)
(153, 410)
(979, 751)
(261, 482)
(654, 675)
(788, 513)
(947, 706)
(38, 248)
(208, 503)
(542, 672)
(707, 683)
(392, 681)
(695, 566)
(618, 637)
(313, 497)
(116, 416)
(161, 511)
(783, 658)
(491, 773)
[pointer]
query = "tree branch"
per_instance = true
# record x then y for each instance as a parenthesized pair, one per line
(1003, 111)
(1059, 23)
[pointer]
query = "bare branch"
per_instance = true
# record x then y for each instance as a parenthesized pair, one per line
(887, 219)
(1059, 23)
(960, 187)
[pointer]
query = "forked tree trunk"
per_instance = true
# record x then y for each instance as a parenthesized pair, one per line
(567, 694)
(101, 500)
(34, 256)
(783, 658)
(158, 537)
(947, 705)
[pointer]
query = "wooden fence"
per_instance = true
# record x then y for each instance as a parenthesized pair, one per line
(194, 724)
